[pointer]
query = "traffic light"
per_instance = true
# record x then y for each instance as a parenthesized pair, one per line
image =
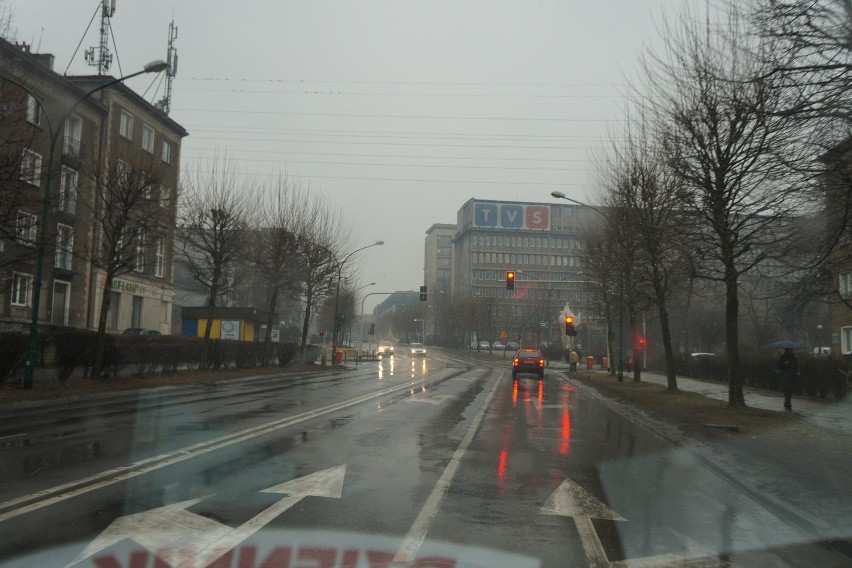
(322, 332)
(510, 280)
(641, 343)
(423, 294)
(569, 326)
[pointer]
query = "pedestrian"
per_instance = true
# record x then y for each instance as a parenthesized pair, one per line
(573, 358)
(788, 368)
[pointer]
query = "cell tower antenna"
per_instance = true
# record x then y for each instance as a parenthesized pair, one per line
(100, 56)
(165, 103)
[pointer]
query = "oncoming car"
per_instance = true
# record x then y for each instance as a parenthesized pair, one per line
(417, 350)
(528, 360)
(385, 348)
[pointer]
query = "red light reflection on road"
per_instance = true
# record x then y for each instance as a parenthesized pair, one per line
(502, 470)
(565, 430)
(515, 393)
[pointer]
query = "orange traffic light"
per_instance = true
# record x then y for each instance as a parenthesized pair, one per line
(510, 280)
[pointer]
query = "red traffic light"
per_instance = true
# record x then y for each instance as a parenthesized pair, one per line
(641, 343)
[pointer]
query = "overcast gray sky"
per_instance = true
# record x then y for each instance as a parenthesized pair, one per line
(397, 110)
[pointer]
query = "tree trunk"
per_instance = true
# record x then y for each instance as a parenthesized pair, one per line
(634, 334)
(208, 326)
(267, 339)
(306, 322)
(671, 377)
(732, 306)
(100, 342)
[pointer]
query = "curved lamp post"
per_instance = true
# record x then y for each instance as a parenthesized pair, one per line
(354, 294)
(53, 130)
(337, 297)
(561, 195)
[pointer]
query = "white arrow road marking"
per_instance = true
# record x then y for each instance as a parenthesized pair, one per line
(571, 500)
(172, 527)
(543, 406)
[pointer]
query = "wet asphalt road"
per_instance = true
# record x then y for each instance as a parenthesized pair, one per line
(435, 462)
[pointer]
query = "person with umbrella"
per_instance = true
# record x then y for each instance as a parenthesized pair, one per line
(788, 367)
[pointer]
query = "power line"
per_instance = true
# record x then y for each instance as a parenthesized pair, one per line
(406, 116)
(329, 163)
(351, 155)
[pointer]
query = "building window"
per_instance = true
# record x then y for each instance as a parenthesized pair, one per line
(139, 262)
(64, 246)
(33, 110)
(844, 284)
(125, 125)
(31, 167)
(846, 340)
(160, 257)
(68, 190)
(72, 135)
(147, 138)
(21, 284)
(25, 228)
(112, 310)
(165, 196)
(136, 314)
(167, 152)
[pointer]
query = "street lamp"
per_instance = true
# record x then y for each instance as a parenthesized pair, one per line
(561, 195)
(337, 296)
(361, 331)
(152, 67)
(354, 293)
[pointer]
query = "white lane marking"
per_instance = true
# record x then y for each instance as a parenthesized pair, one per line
(595, 553)
(12, 437)
(436, 399)
(169, 528)
(103, 479)
(417, 533)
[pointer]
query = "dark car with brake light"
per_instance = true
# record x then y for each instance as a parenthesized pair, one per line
(528, 361)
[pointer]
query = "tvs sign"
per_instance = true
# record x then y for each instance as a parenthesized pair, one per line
(511, 216)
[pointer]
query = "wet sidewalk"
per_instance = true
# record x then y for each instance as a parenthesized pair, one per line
(826, 414)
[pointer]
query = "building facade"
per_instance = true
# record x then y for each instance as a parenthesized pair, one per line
(838, 184)
(541, 243)
(64, 133)
(438, 270)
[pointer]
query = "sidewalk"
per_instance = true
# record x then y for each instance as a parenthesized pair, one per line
(830, 415)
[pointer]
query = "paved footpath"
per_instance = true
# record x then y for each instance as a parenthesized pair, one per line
(826, 414)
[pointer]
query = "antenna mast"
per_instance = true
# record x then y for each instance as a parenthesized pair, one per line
(165, 103)
(103, 58)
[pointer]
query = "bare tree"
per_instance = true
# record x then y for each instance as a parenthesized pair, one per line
(727, 140)
(128, 218)
(273, 252)
(646, 190)
(318, 243)
(213, 223)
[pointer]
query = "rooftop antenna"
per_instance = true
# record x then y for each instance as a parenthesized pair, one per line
(100, 56)
(165, 103)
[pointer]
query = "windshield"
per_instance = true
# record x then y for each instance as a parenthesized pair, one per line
(427, 284)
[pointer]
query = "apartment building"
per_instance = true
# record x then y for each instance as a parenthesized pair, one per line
(61, 135)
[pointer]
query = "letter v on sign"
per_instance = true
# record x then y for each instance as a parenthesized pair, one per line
(172, 527)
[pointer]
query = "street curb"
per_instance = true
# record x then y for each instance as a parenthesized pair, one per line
(813, 526)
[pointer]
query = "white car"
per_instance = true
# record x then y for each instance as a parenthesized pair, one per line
(417, 350)
(385, 348)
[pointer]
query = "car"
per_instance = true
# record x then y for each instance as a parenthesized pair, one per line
(528, 360)
(140, 331)
(484, 345)
(385, 348)
(417, 350)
